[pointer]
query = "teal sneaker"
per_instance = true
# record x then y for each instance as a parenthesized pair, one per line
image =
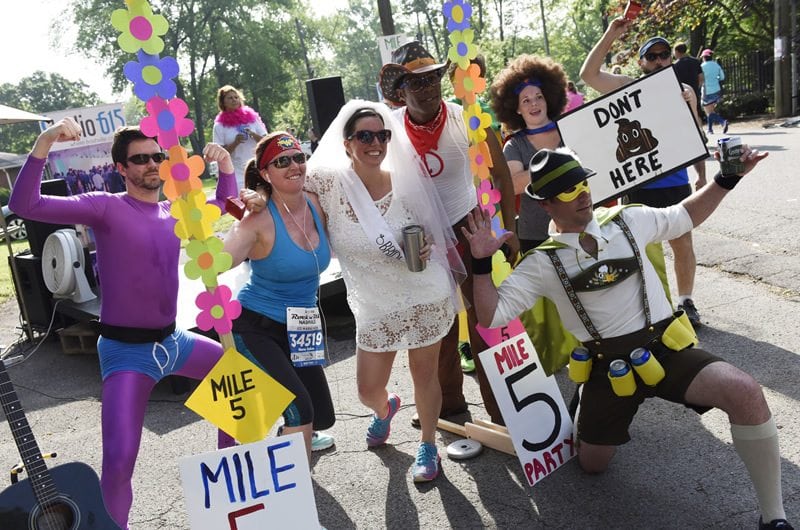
(467, 361)
(379, 429)
(426, 466)
(321, 441)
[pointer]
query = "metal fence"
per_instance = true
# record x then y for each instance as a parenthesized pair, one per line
(748, 73)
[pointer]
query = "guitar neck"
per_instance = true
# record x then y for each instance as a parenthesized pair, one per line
(38, 474)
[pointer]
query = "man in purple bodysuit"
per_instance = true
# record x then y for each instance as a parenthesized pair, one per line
(137, 257)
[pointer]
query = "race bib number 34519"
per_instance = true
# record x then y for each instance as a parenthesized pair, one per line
(306, 339)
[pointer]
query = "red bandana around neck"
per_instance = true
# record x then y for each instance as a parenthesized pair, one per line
(425, 137)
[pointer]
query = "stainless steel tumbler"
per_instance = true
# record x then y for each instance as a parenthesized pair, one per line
(413, 241)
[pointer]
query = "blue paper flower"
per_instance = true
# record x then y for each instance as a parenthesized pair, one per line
(152, 76)
(457, 13)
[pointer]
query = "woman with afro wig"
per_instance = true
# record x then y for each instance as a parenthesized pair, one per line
(526, 97)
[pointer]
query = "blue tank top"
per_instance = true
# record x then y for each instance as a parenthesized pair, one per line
(289, 276)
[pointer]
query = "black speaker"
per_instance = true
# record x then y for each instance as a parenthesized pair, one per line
(37, 230)
(325, 97)
(32, 291)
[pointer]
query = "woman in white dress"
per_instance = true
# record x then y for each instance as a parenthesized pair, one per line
(371, 183)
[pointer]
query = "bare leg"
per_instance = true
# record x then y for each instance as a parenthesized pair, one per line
(427, 393)
(372, 375)
(306, 429)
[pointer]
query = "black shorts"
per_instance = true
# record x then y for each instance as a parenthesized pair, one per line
(266, 342)
(659, 197)
(605, 417)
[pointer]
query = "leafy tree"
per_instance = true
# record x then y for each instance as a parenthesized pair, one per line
(39, 93)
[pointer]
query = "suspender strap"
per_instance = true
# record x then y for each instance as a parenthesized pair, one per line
(573, 296)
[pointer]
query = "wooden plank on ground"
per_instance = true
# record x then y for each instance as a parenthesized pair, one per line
(489, 437)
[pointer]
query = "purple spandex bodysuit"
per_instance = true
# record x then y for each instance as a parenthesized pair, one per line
(137, 257)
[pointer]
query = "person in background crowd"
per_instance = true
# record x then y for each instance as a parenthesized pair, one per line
(713, 76)
(574, 98)
(654, 55)
(237, 128)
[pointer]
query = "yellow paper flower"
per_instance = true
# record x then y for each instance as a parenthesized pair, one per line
(181, 172)
(140, 28)
(469, 83)
(480, 160)
(207, 260)
(477, 121)
(463, 48)
(195, 216)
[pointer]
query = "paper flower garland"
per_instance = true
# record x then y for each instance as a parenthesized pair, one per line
(167, 121)
(218, 311)
(141, 29)
(467, 84)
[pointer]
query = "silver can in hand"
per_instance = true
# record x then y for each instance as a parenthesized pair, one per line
(730, 151)
(413, 241)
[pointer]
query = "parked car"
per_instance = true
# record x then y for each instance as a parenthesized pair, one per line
(16, 226)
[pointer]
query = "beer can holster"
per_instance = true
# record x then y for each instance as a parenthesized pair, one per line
(679, 334)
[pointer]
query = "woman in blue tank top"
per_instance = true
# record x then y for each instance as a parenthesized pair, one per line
(280, 328)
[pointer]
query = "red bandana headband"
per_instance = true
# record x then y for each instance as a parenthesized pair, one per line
(276, 146)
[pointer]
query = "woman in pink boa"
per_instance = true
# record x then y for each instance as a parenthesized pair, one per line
(238, 128)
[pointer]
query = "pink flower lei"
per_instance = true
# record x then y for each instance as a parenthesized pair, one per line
(241, 116)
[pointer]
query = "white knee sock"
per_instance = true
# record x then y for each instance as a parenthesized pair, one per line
(757, 446)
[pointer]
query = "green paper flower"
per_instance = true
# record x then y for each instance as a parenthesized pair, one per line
(463, 48)
(208, 260)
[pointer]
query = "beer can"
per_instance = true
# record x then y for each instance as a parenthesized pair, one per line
(413, 241)
(632, 10)
(647, 366)
(621, 377)
(730, 150)
(580, 365)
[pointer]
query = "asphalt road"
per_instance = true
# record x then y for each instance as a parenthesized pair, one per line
(679, 471)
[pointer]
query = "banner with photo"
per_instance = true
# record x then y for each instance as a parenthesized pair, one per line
(638, 133)
(86, 164)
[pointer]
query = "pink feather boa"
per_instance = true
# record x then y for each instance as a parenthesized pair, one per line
(241, 116)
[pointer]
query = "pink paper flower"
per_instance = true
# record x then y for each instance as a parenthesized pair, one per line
(167, 121)
(487, 196)
(217, 310)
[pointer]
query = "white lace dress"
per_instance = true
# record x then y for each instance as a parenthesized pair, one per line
(394, 308)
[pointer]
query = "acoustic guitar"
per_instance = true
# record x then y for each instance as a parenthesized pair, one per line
(66, 497)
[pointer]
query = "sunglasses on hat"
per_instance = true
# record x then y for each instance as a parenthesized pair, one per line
(572, 193)
(285, 161)
(652, 56)
(367, 137)
(144, 158)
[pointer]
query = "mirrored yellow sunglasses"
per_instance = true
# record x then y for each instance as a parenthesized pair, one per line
(572, 193)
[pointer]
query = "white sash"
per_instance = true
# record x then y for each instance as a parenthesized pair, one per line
(370, 219)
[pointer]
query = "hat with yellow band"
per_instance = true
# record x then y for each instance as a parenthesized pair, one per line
(553, 172)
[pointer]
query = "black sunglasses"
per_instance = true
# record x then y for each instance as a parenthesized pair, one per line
(144, 158)
(367, 137)
(416, 84)
(652, 56)
(284, 161)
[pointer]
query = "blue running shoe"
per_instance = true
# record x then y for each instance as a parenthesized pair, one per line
(379, 429)
(426, 466)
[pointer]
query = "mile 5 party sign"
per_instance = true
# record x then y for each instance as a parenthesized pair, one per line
(265, 484)
(633, 135)
(531, 403)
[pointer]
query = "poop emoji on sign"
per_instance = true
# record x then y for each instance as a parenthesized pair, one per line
(633, 139)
